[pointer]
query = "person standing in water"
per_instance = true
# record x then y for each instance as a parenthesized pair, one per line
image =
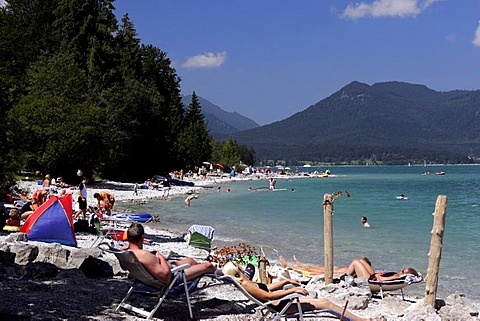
(364, 221)
(189, 198)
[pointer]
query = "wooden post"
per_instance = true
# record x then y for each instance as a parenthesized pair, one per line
(328, 236)
(262, 267)
(435, 253)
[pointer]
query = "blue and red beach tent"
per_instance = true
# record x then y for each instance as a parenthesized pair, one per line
(52, 222)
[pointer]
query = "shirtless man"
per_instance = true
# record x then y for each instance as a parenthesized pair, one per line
(189, 198)
(157, 264)
(364, 222)
(105, 201)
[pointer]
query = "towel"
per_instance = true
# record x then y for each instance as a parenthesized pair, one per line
(205, 230)
(410, 278)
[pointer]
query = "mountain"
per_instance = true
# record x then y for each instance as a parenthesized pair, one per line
(389, 122)
(221, 123)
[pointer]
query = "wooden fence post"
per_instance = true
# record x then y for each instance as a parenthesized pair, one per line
(328, 236)
(435, 253)
(262, 267)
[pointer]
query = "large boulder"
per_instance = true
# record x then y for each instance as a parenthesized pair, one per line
(24, 252)
(95, 268)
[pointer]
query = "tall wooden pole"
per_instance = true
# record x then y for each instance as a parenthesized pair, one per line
(262, 267)
(435, 253)
(328, 236)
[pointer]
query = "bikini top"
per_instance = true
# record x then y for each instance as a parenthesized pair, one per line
(263, 286)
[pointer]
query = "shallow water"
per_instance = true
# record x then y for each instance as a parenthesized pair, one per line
(292, 222)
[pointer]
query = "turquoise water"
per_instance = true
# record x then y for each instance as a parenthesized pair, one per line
(292, 222)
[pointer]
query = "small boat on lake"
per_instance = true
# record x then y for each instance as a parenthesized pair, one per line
(440, 173)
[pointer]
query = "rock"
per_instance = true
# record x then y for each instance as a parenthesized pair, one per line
(458, 307)
(24, 252)
(16, 237)
(394, 305)
(78, 256)
(95, 268)
(420, 311)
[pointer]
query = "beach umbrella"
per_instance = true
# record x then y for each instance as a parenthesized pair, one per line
(206, 163)
(218, 165)
(287, 168)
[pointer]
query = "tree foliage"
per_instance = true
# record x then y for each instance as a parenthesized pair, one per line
(81, 91)
(193, 143)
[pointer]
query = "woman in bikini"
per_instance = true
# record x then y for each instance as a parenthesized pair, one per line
(274, 291)
(361, 269)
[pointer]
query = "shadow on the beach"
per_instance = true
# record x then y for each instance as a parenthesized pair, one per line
(203, 308)
(61, 298)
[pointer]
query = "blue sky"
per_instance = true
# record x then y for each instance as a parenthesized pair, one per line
(270, 59)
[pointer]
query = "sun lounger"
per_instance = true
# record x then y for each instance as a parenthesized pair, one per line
(394, 285)
(269, 313)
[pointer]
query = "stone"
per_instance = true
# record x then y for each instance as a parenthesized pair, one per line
(95, 268)
(24, 252)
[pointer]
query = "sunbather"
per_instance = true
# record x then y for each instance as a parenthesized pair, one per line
(157, 264)
(314, 269)
(360, 268)
(274, 291)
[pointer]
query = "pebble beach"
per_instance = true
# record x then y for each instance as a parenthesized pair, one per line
(70, 295)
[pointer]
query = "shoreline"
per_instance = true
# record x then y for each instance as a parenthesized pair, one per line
(389, 306)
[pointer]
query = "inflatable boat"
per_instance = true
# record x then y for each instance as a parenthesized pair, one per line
(140, 218)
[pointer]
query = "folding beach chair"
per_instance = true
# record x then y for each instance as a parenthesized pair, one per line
(394, 285)
(146, 284)
(269, 313)
(107, 228)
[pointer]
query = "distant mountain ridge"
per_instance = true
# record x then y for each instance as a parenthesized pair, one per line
(389, 122)
(221, 123)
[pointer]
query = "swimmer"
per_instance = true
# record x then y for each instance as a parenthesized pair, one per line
(189, 198)
(364, 221)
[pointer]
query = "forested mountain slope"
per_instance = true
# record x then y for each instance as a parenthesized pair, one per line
(389, 122)
(221, 123)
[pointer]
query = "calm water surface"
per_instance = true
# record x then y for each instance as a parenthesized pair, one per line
(291, 223)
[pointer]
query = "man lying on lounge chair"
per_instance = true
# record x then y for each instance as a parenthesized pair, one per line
(156, 264)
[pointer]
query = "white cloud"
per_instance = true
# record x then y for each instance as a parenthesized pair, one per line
(207, 60)
(387, 8)
(476, 40)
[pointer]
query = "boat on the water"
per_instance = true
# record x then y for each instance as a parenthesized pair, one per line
(401, 197)
(440, 173)
(141, 218)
